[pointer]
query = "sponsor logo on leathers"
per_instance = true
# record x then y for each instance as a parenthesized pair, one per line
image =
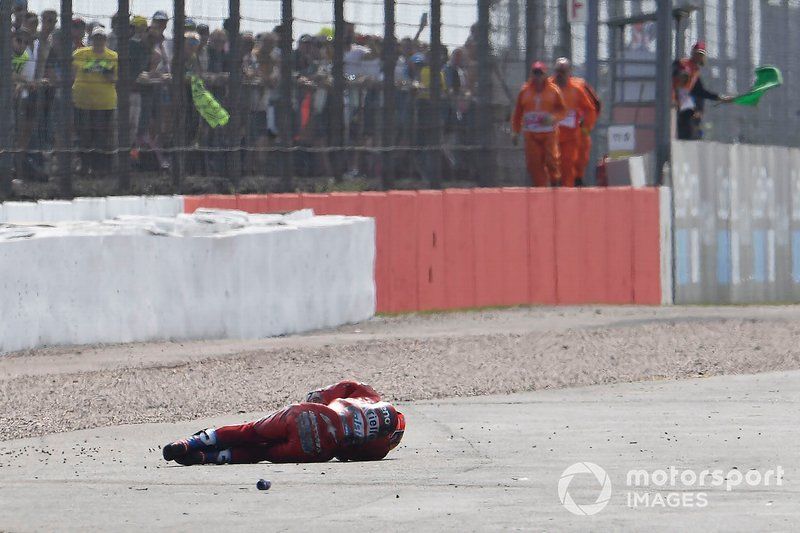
(308, 430)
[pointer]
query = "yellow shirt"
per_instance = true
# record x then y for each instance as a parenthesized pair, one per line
(92, 89)
(425, 82)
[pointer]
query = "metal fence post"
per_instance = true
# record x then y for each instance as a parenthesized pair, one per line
(434, 157)
(389, 60)
(513, 29)
(592, 76)
(178, 95)
(122, 30)
(564, 30)
(534, 32)
(744, 69)
(663, 84)
(234, 137)
(336, 121)
(6, 92)
(485, 127)
(287, 82)
(65, 139)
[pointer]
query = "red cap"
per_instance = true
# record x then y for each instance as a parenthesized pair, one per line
(539, 65)
(700, 46)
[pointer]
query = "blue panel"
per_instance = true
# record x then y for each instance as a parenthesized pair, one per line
(723, 257)
(760, 256)
(796, 256)
(683, 261)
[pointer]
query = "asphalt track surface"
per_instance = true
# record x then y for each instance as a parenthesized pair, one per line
(486, 463)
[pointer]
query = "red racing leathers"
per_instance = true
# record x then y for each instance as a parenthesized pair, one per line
(347, 421)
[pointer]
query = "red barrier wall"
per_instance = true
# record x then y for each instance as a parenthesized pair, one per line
(542, 246)
(459, 248)
(431, 269)
(463, 248)
(515, 287)
(487, 212)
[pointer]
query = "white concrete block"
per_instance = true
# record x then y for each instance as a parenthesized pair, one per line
(89, 208)
(22, 212)
(665, 238)
(124, 205)
(179, 206)
(637, 171)
(161, 206)
(57, 210)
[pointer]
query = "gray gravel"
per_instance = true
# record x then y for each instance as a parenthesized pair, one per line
(407, 358)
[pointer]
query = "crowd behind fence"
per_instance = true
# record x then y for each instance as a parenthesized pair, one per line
(335, 104)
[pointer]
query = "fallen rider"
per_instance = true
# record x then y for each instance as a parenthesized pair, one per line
(347, 421)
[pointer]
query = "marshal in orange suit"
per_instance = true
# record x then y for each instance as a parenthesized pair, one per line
(585, 144)
(581, 116)
(540, 107)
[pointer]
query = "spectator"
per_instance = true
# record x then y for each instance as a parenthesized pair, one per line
(426, 118)
(33, 102)
(264, 78)
(31, 23)
(44, 74)
(218, 61)
(18, 14)
(94, 96)
(202, 52)
(139, 55)
(78, 33)
(90, 28)
(22, 72)
(689, 95)
(19, 43)
(356, 56)
(44, 42)
(151, 87)
(159, 21)
(456, 104)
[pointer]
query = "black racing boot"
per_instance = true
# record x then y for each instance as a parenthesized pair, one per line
(203, 440)
(207, 457)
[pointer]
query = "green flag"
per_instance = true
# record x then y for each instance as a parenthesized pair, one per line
(766, 78)
(208, 107)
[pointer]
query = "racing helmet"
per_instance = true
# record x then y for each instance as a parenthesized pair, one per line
(399, 429)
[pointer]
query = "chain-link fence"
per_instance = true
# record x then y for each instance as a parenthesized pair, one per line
(268, 95)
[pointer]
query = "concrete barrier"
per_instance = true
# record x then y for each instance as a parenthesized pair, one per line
(57, 210)
(90, 209)
(22, 212)
(737, 223)
(203, 276)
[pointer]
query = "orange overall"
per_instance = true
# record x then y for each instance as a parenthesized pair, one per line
(581, 115)
(585, 138)
(536, 114)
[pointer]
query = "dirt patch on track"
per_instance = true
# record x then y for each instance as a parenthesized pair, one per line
(452, 355)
